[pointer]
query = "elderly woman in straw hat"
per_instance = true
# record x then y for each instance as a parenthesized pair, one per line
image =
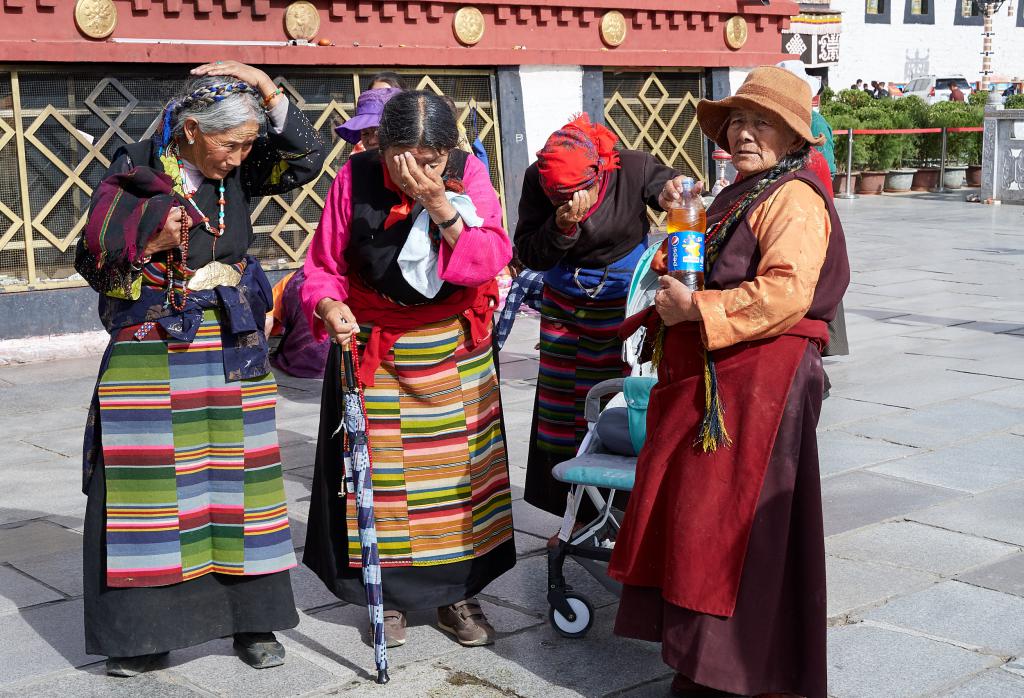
(722, 550)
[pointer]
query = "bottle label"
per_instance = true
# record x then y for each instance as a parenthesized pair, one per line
(686, 251)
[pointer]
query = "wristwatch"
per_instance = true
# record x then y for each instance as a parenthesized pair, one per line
(444, 225)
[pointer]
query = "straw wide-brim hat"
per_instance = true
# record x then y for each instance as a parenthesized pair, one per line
(769, 89)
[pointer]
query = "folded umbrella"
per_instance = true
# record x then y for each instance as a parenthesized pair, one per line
(359, 473)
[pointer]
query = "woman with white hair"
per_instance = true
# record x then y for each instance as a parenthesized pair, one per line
(186, 528)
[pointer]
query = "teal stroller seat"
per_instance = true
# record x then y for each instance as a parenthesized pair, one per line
(604, 466)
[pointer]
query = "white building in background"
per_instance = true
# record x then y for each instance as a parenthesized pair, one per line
(897, 40)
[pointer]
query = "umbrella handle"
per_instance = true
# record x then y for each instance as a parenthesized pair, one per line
(350, 372)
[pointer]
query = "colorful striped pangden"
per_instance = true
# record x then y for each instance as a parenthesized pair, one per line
(193, 468)
(579, 348)
(440, 474)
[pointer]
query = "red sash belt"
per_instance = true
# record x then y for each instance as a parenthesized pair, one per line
(690, 514)
(391, 320)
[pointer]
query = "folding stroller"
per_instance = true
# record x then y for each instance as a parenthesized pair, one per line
(604, 465)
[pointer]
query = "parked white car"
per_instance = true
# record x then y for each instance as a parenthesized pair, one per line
(933, 88)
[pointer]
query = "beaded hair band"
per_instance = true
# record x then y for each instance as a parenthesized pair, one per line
(204, 97)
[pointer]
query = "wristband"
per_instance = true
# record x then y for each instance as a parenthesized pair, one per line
(444, 225)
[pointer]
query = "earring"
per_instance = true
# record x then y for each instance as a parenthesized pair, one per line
(191, 141)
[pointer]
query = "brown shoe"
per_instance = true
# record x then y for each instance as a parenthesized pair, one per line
(467, 622)
(394, 628)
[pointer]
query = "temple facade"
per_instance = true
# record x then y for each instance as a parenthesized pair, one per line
(80, 78)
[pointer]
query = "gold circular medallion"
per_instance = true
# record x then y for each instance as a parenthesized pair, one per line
(736, 32)
(469, 25)
(613, 28)
(96, 18)
(301, 21)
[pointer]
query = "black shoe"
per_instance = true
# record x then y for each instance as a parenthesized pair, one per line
(259, 650)
(127, 667)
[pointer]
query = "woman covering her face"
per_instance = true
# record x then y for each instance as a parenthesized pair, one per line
(583, 223)
(721, 552)
(402, 268)
(186, 529)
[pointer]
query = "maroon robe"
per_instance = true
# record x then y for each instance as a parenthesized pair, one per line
(722, 554)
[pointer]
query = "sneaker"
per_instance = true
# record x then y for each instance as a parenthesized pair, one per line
(127, 667)
(259, 650)
(394, 628)
(467, 622)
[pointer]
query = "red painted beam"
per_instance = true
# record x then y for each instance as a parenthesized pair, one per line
(391, 55)
(404, 32)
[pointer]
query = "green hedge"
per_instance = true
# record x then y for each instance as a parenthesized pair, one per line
(857, 110)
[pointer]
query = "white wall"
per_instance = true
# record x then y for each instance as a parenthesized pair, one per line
(898, 51)
(736, 78)
(552, 96)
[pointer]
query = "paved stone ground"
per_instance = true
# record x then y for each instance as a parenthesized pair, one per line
(922, 453)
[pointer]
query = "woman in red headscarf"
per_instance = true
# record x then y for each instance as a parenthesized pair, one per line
(583, 222)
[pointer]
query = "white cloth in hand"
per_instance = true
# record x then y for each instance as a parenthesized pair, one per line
(418, 258)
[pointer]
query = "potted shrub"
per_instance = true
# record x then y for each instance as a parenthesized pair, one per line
(840, 115)
(951, 115)
(972, 146)
(899, 178)
(881, 151)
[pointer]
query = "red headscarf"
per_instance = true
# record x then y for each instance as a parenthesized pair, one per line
(576, 157)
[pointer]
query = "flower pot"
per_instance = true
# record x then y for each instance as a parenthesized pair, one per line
(871, 183)
(954, 176)
(839, 182)
(925, 179)
(899, 180)
(973, 176)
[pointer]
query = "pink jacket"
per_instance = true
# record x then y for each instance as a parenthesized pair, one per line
(478, 256)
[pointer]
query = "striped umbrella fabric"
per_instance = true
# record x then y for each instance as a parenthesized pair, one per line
(359, 477)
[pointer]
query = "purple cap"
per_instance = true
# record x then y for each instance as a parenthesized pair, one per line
(369, 107)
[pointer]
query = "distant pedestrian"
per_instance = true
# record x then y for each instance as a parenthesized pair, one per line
(883, 91)
(956, 94)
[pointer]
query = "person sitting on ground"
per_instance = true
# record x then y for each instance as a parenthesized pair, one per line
(721, 552)
(299, 353)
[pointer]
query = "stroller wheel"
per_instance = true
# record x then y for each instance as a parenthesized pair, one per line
(573, 628)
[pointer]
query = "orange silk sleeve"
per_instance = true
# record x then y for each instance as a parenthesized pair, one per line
(792, 228)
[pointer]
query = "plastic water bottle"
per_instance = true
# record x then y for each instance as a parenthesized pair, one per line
(687, 223)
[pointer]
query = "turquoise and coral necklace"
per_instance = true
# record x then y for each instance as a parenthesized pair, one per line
(204, 219)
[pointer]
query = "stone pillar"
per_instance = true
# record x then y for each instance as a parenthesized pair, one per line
(989, 159)
(515, 152)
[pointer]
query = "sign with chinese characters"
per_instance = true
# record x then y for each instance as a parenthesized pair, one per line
(814, 49)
